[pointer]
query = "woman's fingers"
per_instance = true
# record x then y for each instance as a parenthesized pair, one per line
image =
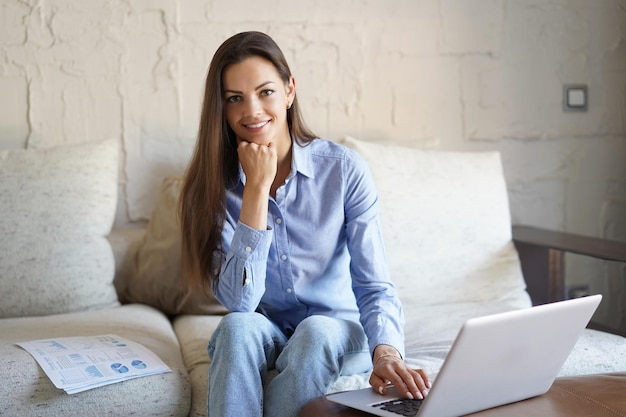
(412, 383)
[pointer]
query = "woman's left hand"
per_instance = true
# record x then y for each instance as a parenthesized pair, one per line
(389, 368)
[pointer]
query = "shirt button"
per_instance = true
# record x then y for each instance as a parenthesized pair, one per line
(289, 290)
(283, 257)
(279, 221)
(248, 249)
(248, 281)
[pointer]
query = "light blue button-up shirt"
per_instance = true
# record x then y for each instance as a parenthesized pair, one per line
(322, 252)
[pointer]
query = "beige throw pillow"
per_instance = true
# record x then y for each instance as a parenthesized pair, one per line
(58, 205)
(157, 280)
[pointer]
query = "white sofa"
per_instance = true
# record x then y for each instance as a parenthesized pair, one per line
(447, 228)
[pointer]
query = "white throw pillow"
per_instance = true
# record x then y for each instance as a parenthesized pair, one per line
(446, 224)
(57, 204)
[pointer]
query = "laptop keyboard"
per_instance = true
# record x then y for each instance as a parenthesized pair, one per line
(402, 407)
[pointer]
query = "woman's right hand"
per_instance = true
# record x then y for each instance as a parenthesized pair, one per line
(259, 163)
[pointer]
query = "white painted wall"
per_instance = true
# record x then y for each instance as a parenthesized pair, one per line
(448, 74)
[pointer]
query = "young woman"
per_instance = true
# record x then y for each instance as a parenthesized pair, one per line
(283, 227)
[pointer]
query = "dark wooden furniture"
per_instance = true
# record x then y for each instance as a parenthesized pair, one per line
(599, 395)
(542, 255)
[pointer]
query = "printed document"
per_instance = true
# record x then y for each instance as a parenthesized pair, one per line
(76, 364)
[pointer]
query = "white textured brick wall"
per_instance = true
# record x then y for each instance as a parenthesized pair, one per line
(449, 74)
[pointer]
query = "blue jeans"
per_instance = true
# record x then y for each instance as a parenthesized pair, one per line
(245, 346)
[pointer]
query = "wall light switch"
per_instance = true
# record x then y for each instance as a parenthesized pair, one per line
(575, 97)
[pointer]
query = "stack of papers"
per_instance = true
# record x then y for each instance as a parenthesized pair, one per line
(77, 364)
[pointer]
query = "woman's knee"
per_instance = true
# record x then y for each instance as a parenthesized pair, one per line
(322, 332)
(239, 333)
(315, 327)
(241, 320)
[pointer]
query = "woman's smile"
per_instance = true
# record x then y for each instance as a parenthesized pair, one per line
(258, 125)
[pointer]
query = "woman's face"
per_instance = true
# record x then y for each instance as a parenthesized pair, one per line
(256, 101)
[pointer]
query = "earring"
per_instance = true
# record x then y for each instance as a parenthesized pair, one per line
(288, 106)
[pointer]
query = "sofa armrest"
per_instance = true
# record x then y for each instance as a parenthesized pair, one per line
(542, 256)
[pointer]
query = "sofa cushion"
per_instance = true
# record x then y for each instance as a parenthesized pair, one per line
(58, 205)
(157, 278)
(27, 391)
(194, 332)
(446, 225)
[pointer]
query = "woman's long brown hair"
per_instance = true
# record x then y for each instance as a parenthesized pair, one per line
(214, 165)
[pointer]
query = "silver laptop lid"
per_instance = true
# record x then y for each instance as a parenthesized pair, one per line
(507, 357)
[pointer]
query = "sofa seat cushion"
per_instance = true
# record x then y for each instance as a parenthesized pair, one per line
(194, 332)
(27, 391)
(596, 352)
(58, 205)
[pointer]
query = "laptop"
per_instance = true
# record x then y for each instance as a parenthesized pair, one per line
(494, 360)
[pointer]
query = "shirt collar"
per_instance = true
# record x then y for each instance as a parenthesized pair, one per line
(302, 161)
